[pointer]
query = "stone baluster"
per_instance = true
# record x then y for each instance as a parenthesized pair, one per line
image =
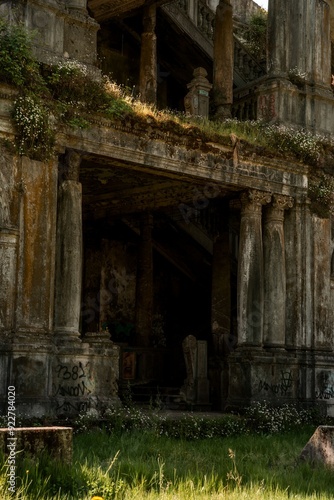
(144, 283)
(69, 251)
(250, 269)
(275, 272)
(148, 57)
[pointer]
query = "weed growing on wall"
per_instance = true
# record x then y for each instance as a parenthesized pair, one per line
(321, 194)
(254, 36)
(17, 64)
(34, 124)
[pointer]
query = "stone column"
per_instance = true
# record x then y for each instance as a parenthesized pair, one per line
(144, 283)
(275, 272)
(223, 60)
(277, 37)
(299, 38)
(148, 57)
(323, 327)
(69, 252)
(250, 269)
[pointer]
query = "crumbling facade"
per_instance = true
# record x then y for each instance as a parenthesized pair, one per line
(139, 255)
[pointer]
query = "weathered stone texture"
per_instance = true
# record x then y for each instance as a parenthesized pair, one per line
(37, 246)
(33, 441)
(321, 284)
(250, 269)
(320, 447)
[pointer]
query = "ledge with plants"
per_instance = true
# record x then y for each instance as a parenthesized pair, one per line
(51, 97)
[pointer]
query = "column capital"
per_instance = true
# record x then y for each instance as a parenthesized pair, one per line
(282, 201)
(275, 212)
(70, 166)
(252, 201)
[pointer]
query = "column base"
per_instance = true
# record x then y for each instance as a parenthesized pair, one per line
(64, 336)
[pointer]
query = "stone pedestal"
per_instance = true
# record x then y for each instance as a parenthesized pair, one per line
(223, 60)
(148, 57)
(257, 375)
(85, 377)
(196, 102)
(250, 269)
(34, 441)
(275, 272)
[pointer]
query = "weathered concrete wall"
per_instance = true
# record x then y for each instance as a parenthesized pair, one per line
(64, 29)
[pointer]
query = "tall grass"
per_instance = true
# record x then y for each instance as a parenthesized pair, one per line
(142, 465)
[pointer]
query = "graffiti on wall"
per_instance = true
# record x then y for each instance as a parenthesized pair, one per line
(324, 385)
(72, 381)
(267, 107)
(279, 389)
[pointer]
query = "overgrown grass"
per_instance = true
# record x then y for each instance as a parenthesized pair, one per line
(144, 466)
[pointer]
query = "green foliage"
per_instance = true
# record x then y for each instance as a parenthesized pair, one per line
(68, 93)
(51, 95)
(33, 121)
(17, 64)
(255, 35)
(137, 465)
(263, 418)
(321, 194)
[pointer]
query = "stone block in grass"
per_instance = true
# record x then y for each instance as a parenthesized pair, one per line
(320, 447)
(32, 441)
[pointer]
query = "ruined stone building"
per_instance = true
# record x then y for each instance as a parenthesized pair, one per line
(141, 255)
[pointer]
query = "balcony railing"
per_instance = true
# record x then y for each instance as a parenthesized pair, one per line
(246, 66)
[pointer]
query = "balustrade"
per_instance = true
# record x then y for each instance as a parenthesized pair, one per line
(246, 67)
(205, 19)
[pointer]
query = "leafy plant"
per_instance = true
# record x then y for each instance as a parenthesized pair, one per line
(17, 64)
(254, 35)
(34, 126)
(321, 194)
